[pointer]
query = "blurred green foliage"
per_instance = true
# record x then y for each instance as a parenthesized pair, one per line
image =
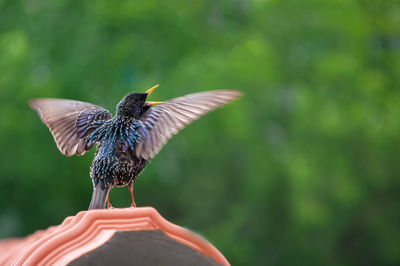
(303, 170)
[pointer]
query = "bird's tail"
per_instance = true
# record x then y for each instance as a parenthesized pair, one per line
(99, 197)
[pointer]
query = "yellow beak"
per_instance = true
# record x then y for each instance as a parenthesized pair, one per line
(153, 103)
(151, 90)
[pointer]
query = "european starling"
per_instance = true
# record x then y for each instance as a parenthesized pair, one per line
(127, 141)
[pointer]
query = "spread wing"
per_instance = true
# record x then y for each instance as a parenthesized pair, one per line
(164, 120)
(70, 122)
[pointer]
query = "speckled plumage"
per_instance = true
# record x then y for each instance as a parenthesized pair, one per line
(126, 142)
(115, 163)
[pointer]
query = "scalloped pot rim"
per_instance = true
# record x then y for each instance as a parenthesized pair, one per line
(88, 230)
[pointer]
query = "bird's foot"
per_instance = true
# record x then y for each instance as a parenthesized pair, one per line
(130, 187)
(109, 206)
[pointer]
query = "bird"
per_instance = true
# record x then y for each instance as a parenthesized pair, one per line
(129, 140)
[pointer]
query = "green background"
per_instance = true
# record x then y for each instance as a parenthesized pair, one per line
(302, 170)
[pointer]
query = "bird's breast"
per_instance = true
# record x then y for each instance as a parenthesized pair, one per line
(115, 162)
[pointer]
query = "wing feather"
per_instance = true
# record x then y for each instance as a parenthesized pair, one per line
(163, 121)
(70, 122)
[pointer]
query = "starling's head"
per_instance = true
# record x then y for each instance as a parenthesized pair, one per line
(134, 104)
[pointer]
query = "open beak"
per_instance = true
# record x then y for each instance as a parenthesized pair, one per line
(148, 93)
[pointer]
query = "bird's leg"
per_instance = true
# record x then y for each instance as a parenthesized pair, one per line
(109, 206)
(130, 186)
